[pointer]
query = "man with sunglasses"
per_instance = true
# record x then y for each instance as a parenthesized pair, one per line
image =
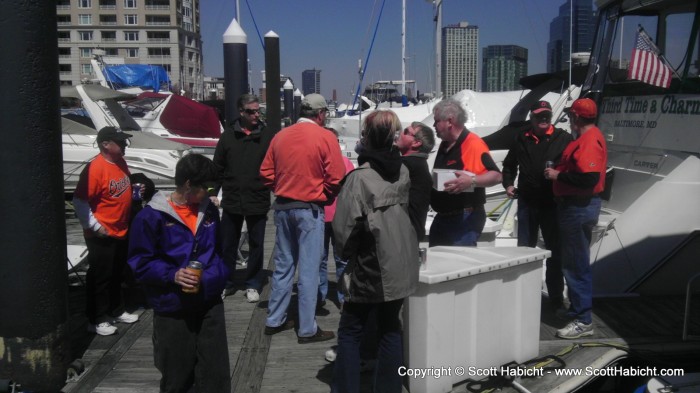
(536, 207)
(102, 202)
(238, 156)
(415, 143)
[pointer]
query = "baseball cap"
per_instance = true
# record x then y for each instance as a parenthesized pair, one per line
(111, 134)
(540, 106)
(584, 107)
(314, 101)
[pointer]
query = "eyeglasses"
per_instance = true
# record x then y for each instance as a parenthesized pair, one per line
(251, 111)
(546, 116)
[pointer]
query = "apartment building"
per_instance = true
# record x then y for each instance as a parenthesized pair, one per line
(460, 43)
(159, 32)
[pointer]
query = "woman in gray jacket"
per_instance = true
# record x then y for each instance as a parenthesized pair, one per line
(374, 233)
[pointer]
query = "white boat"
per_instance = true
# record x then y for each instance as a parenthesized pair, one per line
(148, 154)
(154, 108)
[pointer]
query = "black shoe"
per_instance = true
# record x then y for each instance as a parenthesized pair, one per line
(318, 337)
(269, 330)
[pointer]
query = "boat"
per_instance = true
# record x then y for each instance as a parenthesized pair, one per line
(155, 108)
(148, 154)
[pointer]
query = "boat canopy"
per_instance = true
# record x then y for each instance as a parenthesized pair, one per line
(152, 77)
(95, 92)
(186, 117)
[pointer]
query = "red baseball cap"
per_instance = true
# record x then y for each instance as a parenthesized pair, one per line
(584, 107)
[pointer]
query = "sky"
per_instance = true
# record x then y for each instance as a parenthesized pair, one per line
(333, 35)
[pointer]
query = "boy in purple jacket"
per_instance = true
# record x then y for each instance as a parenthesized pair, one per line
(189, 330)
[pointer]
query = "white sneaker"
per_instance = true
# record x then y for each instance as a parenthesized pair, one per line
(127, 318)
(252, 295)
(575, 329)
(103, 329)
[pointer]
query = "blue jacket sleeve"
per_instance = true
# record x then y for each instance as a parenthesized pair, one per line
(215, 272)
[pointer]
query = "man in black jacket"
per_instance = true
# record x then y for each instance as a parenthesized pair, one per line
(536, 206)
(238, 156)
(415, 143)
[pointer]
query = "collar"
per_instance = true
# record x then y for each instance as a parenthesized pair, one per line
(533, 136)
(306, 120)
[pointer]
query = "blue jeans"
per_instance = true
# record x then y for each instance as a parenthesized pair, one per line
(323, 270)
(298, 244)
(353, 320)
(231, 226)
(458, 229)
(531, 219)
(576, 224)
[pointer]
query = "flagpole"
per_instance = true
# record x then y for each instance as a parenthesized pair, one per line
(571, 36)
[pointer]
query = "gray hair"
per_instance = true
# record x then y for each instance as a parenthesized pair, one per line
(450, 108)
(246, 99)
(309, 113)
(425, 135)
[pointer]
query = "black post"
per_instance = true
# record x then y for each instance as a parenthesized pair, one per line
(235, 68)
(272, 81)
(297, 105)
(288, 99)
(33, 280)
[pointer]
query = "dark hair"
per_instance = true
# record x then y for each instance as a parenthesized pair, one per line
(246, 99)
(379, 129)
(333, 130)
(196, 168)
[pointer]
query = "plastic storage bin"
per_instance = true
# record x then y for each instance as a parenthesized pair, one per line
(475, 308)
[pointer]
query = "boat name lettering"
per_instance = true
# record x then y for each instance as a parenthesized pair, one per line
(671, 104)
(646, 164)
(668, 104)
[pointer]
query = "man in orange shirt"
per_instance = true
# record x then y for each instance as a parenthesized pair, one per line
(578, 180)
(102, 201)
(303, 167)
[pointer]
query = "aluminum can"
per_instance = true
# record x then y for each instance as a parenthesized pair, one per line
(549, 164)
(423, 257)
(136, 191)
(194, 267)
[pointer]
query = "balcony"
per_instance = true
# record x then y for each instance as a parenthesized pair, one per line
(159, 56)
(108, 39)
(165, 7)
(161, 40)
(63, 7)
(108, 23)
(108, 7)
(153, 23)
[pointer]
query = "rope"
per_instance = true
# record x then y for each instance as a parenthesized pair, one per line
(364, 70)
(250, 11)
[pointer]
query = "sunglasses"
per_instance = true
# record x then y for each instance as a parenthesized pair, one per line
(543, 117)
(251, 111)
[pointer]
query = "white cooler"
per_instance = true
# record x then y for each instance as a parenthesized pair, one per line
(474, 307)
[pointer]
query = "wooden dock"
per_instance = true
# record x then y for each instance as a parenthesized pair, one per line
(124, 362)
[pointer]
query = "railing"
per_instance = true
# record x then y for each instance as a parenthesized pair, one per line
(63, 6)
(686, 316)
(61, 39)
(108, 23)
(108, 39)
(108, 7)
(65, 73)
(60, 23)
(159, 56)
(158, 39)
(157, 23)
(157, 7)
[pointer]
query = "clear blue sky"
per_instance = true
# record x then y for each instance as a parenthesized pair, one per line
(332, 35)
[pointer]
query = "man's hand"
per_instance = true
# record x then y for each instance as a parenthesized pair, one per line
(462, 183)
(215, 201)
(102, 232)
(510, 192)
(551, 174)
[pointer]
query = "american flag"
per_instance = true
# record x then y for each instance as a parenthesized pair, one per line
(646, 66)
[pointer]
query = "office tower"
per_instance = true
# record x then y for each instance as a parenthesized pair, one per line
(502, 67)
(311, 81)
(459, 58)
(160, 32)
(582, 24)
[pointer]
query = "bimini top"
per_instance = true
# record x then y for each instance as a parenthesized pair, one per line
(185, 117)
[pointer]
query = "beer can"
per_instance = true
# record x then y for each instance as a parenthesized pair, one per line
(136, 191)
(194, 267)
(549, 164)
(423, 257)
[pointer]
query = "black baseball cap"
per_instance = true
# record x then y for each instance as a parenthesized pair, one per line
(110, 133)
(541, 106)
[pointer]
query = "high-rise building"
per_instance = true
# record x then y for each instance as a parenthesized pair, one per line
(582, 24)
(459, 58)
(160, 32)
(502, 67)
(311, 81)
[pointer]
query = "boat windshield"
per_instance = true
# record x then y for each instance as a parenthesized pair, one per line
(142, 105)
(670, 26)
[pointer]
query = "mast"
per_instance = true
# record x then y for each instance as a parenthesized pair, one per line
(571, 37)
(438, 47)
(404, 99)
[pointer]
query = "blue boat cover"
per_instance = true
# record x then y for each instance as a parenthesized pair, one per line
(145, 76)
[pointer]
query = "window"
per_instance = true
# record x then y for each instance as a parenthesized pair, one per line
(63, 20)
(86, 69)
(86, 52)
(131, 19)
(84, 3)
(63, 36)
(64, 52)
(157, 20)
(158, 36)
(165, 52)
(107, 20)
(108, 36)
(111, 52)
(85, 35)
(132, 52)
(64, 68)
(85, 19)
(129, 3)
(131, 36)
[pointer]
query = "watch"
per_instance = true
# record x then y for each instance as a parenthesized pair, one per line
(473, 181)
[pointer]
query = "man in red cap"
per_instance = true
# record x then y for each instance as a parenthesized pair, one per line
(536, 207)
(578, 180)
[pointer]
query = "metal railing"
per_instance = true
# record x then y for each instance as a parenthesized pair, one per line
(686, 316)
